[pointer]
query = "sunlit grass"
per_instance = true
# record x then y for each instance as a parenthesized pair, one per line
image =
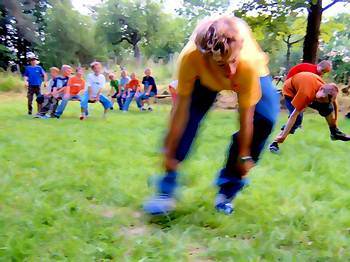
(72, 190)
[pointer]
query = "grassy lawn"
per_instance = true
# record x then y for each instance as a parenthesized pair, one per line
(72, 190)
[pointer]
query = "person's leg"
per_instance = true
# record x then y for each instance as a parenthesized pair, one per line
(299, 120)
(84, 105)
(202, 100)
(327, 111)
(230, 181)
(105, 103)
(30, 94)
(62, 106)
(139, 100)
(37, 93)
(163, 202)
(120, 102)
(128, 101)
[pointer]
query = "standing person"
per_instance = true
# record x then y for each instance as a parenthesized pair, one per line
(304, 90)
(133, 88)
(59, 86)
(34, 75)
(150, 90)
(93, 93)
(221, 55)
(115, 91)
(173, 90)
(321, 68)
(74, 87)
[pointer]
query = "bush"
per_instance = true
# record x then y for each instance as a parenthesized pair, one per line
(10, 82)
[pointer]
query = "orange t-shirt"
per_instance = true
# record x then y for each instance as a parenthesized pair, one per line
(133, 84)
(75, 84)
(302, 87)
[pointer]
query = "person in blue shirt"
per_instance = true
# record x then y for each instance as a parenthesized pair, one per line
(34, 75)
(150, 90)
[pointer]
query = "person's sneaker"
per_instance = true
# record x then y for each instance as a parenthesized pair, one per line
(54, 116)
(143, 109)
(339, 135)
(159, 205)
(29, 113)
(111, 108)
(223, 204)
(347, 115)
(150, 109)
(274, 148)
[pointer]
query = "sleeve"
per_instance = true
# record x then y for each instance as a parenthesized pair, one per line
(301, 100)
(143, 80)
(187, 75)
(42, 71)
(59, 83)
(249, 89)
(103, 81)
(26, 73)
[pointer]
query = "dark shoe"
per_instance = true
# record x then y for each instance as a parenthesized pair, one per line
(274, 148)
(339, 135)
(30, 113)
(54, 116)
(347, 115)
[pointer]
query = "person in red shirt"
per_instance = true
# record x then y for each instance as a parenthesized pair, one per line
(74, 86)
(132, 89)
(321, 68)
(304, 90)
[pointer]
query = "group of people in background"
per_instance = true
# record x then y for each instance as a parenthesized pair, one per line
(63, 87)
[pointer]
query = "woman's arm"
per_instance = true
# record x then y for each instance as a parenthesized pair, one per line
(245, 137)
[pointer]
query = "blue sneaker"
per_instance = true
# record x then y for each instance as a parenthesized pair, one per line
(223, 204)
(159, 205)
(274, 148)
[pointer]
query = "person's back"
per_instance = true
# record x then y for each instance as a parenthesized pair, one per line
(321, 68)
(76, 84)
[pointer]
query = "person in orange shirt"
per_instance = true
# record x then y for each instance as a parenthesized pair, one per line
(321, 68)
(72, 92)
(132, 89)
(304, 90)
(221, 55)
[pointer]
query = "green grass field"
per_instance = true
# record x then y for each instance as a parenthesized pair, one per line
(73, 191)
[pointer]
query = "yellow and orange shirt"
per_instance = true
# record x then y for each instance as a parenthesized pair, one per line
(252, 65)
(133, 84)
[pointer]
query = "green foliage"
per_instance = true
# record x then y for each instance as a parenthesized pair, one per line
(73, 191)
(10, 82)
(70, 37)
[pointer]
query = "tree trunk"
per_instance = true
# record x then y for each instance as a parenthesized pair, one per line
(312, 32)
(289, 47)
(137, 53)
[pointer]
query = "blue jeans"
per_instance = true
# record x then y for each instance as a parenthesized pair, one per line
(63, 104)
(229, 180)
(142, 97)
(128, 100)
(290, 107)
(103, 100)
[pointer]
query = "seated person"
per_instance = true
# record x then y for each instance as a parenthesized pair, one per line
(115, 91)
(54, 72)
(72, 92)
(303, 90)
(93, 93)
(132, 89)
(150, 90)
(59, 87)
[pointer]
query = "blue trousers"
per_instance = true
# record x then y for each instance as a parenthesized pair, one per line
(290, 107)
(62, 106)
(229, 180)
(142, 97)
(128, 101)
(103, 100)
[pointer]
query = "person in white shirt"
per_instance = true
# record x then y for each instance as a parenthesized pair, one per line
(94, 85)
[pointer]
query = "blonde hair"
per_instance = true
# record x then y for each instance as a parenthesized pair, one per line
(325, 64)
(54, 69)
(218, 36)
